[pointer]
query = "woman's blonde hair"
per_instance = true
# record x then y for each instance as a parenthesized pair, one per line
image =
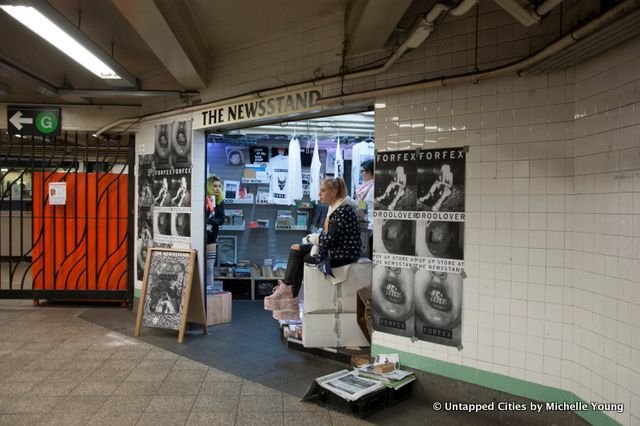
(338, 185)
(210, 193)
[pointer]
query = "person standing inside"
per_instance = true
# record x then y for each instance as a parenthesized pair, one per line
(215, 208)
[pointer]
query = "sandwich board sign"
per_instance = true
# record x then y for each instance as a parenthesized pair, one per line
(33, 120)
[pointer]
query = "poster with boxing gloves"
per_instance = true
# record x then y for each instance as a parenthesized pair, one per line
(418, 247)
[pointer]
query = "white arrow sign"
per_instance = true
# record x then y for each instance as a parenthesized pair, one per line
(17, 120)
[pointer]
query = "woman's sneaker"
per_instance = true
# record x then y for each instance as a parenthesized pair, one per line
(281, 291)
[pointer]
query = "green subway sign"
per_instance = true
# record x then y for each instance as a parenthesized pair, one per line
(33, 121)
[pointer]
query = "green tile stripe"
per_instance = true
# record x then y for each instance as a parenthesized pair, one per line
(495, 381)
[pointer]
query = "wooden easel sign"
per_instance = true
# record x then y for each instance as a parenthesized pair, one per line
(171, 292)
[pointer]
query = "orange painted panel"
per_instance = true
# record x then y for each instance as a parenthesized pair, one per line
(83, 244)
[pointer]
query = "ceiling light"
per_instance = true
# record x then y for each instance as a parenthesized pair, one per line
(45, 28)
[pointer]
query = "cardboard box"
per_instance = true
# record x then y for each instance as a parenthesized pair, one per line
(333, 330)
(321, 294)
(219, 308)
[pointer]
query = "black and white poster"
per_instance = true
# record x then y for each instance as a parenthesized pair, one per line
(438, 307)
(181, 144)
(164, 184)
(146, 173)
(162, 151)
(172, 225)
(258, 154)
(165, 292)
(419, 239)
(393, 294)
(395, 181)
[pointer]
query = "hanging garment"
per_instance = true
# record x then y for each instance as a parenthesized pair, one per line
(294, 181)
(314, 185)
(360, 153)
(339, 162)
(278, 177)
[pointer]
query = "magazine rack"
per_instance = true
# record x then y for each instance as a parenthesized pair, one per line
(363, 407)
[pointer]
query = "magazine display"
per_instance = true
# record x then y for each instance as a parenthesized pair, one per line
(349, 385)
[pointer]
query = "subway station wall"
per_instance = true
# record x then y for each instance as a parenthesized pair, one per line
(552, 242)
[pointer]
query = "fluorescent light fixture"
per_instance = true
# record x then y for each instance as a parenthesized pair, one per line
(41, 25)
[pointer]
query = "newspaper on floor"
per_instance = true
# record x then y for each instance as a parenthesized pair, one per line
(348, 385)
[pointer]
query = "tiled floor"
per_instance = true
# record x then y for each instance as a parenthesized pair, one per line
(56, 368)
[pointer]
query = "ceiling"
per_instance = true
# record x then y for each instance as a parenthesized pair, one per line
(167, 47)
(166, 44)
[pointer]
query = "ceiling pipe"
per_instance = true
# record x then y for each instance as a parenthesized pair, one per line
(554, 48)
(106, 93)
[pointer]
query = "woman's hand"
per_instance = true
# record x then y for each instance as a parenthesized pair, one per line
(295, 247)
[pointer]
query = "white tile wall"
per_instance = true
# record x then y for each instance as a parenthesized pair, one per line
(552, 242)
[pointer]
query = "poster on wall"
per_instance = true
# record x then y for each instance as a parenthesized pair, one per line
(418, 245)
(164, 191)
(258, 154)
(181, 144)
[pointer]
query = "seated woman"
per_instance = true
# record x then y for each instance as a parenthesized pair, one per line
(338, 242)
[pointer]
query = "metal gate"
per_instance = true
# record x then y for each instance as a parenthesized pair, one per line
(77, 250)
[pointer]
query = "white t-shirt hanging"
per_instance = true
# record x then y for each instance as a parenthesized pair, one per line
(360, 153)
(339, 162)
(295, 171)
(314, 186)
(278, 174)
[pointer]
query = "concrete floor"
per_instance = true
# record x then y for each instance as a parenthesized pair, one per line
(60, 366)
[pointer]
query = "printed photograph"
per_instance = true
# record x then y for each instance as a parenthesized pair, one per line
(144, 240)
(180, 190)
(162, 224)
(444, 240)
(393, 293)
(235, 155)
(394, 236)
(161, 194)
(441, 177)
(438, 307)
(231, 189)
(146, 172)
(395, 181)
(181, 225)
(181, 144)
(162, 151)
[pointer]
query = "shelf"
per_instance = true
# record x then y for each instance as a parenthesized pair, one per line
(292, 228)
(238, 201)
(232, 227)
(255, 181)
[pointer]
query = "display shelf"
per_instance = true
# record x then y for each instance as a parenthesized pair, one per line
(232, 227)
(238, 201)
(255, 181)
(292, 228)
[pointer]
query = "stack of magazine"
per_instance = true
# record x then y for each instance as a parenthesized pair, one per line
(353, 385)
(395, 379)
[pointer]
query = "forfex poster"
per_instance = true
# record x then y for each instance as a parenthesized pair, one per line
(419, 243)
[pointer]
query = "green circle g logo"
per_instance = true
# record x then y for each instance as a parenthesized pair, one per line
(46, 122)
